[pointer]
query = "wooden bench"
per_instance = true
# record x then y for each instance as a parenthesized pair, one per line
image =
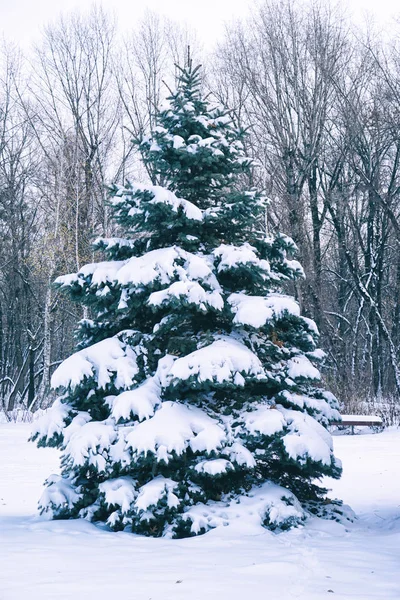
(359, 421)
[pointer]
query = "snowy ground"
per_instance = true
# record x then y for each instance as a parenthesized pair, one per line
(73, 560)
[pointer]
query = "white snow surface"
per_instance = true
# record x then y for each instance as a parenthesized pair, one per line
(232, 257)
(301, 367)
(174, 428)
(52, 421)
(362, 418)
(266, 501)
(223, 360)
(43, 559)
(141, 401)
(265, 420)
(214, 467)
(320, 408)
(87, 443)
(58, 492)
(152, 492)
(119, 492)
(161, 195)
(109, 357)
(295, 266)
(256, 311)
(162, 266)
(114, 242)
(192, 292)
(305, 437)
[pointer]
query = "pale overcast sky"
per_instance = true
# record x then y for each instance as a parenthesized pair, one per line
(21, 20)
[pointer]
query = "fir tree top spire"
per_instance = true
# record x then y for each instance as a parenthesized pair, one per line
(196, 156)
(195, 150)
(189, 78)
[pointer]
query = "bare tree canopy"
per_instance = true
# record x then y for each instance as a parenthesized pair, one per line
(320, 103)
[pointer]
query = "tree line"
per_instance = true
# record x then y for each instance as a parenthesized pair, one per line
(319, 100)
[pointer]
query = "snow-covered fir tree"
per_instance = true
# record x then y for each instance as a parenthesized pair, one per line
(194, 397)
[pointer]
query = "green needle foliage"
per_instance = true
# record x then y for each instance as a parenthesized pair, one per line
(194, 396)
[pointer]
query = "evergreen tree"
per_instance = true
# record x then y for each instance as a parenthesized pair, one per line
(194, 397)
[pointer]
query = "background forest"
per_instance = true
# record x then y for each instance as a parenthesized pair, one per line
(320, 102)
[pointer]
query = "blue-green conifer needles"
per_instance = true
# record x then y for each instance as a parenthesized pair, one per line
(194, 398)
